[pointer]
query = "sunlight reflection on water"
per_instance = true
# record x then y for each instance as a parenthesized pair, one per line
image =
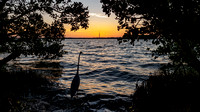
(105, 66)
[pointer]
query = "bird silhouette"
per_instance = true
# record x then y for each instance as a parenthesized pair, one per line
(76, 80)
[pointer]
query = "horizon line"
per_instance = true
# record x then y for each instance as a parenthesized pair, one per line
(92, 37)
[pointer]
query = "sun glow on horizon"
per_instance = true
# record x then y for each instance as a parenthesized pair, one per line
(98, 23)
(107, 27)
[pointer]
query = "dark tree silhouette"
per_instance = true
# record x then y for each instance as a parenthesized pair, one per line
(174, 24)
(23, 29)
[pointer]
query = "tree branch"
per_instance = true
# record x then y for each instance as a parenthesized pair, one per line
(12, 56)
(2, 4)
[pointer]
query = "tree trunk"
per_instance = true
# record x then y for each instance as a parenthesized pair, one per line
(10, 57)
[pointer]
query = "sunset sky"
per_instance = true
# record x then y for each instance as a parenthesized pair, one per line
(98, 22)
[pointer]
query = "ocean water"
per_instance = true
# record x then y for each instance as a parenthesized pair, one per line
(108, 73)
(106, 67)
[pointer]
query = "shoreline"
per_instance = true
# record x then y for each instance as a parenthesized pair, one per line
(90, 38)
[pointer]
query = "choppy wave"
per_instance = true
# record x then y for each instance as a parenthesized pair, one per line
(106, 66)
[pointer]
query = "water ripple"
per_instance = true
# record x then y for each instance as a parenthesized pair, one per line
(105, 66)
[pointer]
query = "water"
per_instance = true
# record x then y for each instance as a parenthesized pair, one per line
(108, 71)
(105, 67)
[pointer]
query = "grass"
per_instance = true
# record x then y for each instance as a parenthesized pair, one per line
(168, 93)
(15, 85)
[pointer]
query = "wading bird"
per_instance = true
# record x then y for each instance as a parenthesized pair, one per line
(76, 80)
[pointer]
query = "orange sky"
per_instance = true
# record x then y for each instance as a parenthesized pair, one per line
(107, 27)
(98, 22)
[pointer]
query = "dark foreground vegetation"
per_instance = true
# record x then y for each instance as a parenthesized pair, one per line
(173, 25)
(28, 90)
(166, 92)
(17, 86)
(35, 91)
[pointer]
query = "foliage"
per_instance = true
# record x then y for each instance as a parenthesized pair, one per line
(18, 84)
(25, 27)
(174, 24)
(168, 93)
(35, 90)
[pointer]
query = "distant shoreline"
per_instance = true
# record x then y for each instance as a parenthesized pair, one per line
(140, 37)
(91, 38)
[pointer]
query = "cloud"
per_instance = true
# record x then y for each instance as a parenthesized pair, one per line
(97, 15)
